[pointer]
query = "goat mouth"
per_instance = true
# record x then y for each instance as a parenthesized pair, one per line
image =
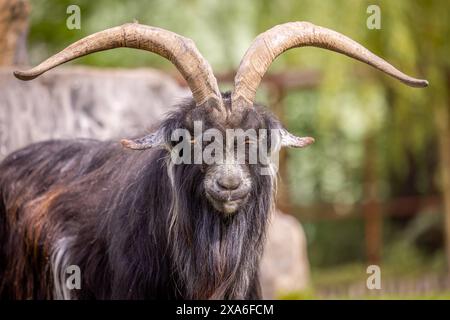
(227, 196)
(227, 202)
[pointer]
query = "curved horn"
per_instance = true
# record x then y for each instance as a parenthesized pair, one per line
(181, 51)
(270, 44)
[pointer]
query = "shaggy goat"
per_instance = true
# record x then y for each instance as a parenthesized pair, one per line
(137, 224)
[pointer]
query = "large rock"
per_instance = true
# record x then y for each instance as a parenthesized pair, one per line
(285, 265)
(82, 102)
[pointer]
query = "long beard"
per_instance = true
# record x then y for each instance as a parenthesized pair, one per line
(214, 256)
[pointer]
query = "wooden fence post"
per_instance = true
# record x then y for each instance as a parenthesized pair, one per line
(13, 31)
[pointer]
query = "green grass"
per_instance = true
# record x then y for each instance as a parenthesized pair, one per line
(402, 264)
(310, 295)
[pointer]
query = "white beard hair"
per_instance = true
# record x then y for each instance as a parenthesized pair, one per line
(60, 261)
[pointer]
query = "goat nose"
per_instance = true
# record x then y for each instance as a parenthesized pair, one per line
(229, 182)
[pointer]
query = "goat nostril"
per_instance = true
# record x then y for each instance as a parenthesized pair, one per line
(229, 182)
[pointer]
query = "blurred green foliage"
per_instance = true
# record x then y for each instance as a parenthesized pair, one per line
(339, 236)
(352, 103)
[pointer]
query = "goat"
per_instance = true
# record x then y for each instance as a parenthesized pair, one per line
(137, 224)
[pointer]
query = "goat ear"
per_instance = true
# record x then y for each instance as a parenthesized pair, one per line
(151, 140)
(291, 141)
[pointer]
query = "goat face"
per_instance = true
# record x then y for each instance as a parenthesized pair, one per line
(232, 168)
(227, 184)
(230, 156)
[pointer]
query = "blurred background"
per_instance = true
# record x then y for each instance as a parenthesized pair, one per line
(373, 189)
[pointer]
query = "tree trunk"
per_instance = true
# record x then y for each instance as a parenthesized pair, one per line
(372, 210)
(13, 31)
(444, 162)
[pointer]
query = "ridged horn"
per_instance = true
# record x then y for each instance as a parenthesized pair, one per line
(270, 44)
(181, 51)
